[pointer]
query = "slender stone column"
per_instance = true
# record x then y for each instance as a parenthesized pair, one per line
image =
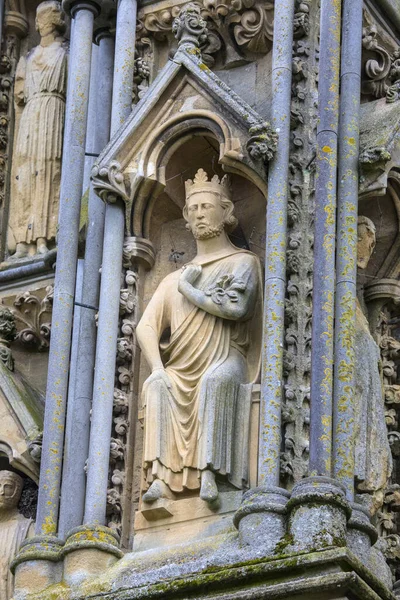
(103, 387)
(324, 242)
(261, 518)
(124, 63)
(70, 201)
(346, 257)
(37, 564)
(318, 506)
(92, 121)
(1, 19)
(70, 493)
(275, 254)
(79, 402)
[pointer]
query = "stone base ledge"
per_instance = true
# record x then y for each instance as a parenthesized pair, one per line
(325, 575)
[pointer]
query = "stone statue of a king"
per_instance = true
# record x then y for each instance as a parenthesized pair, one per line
(14, 528)
(200, 335)
(373, 458)
(40, 91)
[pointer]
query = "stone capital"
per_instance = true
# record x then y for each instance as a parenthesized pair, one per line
(16, 23)
(71, 7)
(138, 250)
(104, 25)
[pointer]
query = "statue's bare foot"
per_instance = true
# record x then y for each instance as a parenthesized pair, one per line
(208, 490)
(157, 490)
(21, 250)
(41, 246)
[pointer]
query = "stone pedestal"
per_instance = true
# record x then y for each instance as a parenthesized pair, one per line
(261, 518)
(88, 552)
(361, 534)
(378, 564)
(318, 514)
(37, 565)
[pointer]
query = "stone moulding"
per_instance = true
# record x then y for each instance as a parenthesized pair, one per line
(96, 536)
(132, 166)
(335, 572)
(38, 548)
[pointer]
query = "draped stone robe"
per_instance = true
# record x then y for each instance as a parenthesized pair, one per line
(41, 84)
(203, 422)
(373, 458)
(13, 531)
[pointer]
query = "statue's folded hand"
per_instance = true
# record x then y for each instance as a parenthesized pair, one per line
(189, 274)
(159, 375)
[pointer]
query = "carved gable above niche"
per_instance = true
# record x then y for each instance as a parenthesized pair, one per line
(185, 100)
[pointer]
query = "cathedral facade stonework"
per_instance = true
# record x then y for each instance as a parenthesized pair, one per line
(200, 292)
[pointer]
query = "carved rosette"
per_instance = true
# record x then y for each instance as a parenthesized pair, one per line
(122, 401)
(297, 357)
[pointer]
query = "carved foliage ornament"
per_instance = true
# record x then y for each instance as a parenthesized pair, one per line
(298, 307)
(33, 318)
(108, 182)
(8, 333)
(381, 68)
(238, 25)
(262, 142)
(125, 356)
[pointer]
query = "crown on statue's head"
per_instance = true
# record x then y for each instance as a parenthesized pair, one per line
(215, 185)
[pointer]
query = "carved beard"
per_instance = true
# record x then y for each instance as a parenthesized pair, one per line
(206, 233)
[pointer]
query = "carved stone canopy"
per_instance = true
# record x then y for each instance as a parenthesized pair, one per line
(21, 414)
(185, 100)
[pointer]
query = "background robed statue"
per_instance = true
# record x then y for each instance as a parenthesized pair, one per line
(40, 91)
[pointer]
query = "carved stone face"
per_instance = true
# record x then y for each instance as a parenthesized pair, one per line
(48, 18)
(10, 489)
(366, 244)
(205, 215)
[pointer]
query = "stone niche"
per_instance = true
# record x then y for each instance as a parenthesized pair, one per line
(189, 120)
(186, 516)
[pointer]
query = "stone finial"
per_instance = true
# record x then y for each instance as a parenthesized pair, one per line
(262, 142)
(189, 27)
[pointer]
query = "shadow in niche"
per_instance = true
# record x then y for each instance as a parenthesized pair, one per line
(202, 151)
(27, 505)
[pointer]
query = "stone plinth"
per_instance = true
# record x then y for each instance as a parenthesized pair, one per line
(318, 513)
(261, 518)
(216, 570)
(361, 534)
(88, 552)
